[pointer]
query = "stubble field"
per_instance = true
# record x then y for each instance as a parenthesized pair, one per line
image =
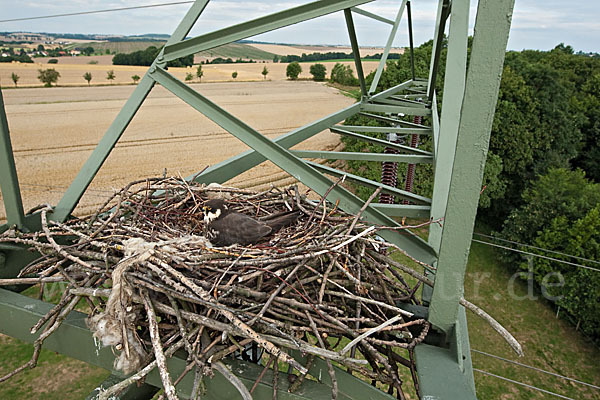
(54, 130)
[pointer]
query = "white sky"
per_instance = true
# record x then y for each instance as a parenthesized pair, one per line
(537, 24)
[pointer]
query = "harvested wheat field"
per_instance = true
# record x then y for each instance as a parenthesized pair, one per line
(71, 73)
(54, 130)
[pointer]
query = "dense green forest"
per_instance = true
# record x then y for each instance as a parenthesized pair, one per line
(146, 57)
(543, 170)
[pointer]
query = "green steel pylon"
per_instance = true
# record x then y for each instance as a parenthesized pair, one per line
(460, 136)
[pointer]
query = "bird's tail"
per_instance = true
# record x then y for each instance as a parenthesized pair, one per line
(280, 220)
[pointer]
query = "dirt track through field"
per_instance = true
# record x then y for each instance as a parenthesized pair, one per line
(54, 131)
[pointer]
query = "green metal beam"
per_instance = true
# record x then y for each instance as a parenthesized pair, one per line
(435, 126)
(421, 97)
(386, 129)
(402, 194)
(403, 210)
(9, 182)
(440, 375)
(17, 256)
(19, 313)
(348, 155)
(355, 51)
(394, 121)
(257, 26)
(454, 90)
(492, 26)
(410, 40)
(133, 392)
(296, 167)
(242, 162)
(416, 99)
(234, 166)
(381, 142)
(371, 15)
(87, 173)
(388, 47)
(347, 384)
(440, 27)
(393, 90)
(400, 102)
(368, 107)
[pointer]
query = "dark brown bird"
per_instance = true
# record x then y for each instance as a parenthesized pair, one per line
(226, 227)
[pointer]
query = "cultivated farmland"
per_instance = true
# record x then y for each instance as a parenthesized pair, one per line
(54, 130)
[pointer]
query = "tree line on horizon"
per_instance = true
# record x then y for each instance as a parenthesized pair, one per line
(329, 56)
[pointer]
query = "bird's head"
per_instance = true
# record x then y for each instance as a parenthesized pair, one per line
(213, 209)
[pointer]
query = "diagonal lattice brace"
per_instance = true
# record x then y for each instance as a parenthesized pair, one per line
(9, 183)
(257, 26)
(293, 165)
(91, 167)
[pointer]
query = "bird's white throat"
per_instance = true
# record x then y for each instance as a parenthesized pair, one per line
(211, 216)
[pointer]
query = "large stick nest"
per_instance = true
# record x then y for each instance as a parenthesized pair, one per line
(155, 284)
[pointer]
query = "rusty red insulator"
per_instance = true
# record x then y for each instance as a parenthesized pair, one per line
(389, 171)
(410, 172)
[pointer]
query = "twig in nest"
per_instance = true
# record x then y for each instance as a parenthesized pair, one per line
(161, 361)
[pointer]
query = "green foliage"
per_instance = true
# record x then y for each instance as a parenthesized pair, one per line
(110, 75)
(22, 58)
(199, 72)
(343, 75)
(135, 78)
(318, 72)
(48, 76)
(146, 57)
(337, 55)
(229, 60)
(293, 70)
(234, 74)
(548, 116)
(15, 78)
(580, 294)
(560, 192)
(189, 77)
(264, 72)
(492, 186)
(88, 77)
(87, 51)
(560, 212)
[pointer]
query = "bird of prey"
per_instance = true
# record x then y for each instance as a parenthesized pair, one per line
(226, 227)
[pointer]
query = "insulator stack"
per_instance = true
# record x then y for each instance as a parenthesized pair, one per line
(389, 171)
(410, 172)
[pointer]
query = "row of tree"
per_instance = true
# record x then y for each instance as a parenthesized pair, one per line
(229, 60)
(329, 56)
(542, 172)
(340, 73)
(50, 76)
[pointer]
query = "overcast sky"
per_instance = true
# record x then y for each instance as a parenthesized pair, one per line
(537, 24)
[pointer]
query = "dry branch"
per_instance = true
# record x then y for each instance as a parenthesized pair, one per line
(156, 285)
